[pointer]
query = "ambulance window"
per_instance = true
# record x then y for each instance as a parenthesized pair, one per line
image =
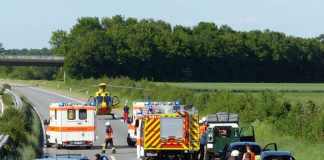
(71, 114)
(82, 114)
(55, 114)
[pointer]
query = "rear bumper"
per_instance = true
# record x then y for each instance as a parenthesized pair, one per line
(170, 153)
(77, 143)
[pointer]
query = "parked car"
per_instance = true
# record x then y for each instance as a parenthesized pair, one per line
(241, 147)
(277, 155)
(66, 157)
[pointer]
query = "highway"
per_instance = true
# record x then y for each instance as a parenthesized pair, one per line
(41, 100)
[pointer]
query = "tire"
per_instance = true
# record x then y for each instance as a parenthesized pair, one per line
(208, 157)
(48, 145)
(58, 146)
(130, 142)
(88, 147)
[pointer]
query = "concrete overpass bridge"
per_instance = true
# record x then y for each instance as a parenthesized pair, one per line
(32, 60)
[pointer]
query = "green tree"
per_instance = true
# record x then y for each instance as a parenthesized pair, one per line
(59, 42)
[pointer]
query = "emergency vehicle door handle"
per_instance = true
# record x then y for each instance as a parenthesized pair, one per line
(79, 123)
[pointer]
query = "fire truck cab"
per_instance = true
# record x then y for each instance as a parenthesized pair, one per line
(165, 130)
(70, 125)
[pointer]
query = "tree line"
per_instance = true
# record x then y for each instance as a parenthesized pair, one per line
(155, 50)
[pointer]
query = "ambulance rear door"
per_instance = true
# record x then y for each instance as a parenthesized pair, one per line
(76, 125)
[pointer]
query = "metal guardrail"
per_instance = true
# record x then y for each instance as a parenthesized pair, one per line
(16, 98)
(3, 140)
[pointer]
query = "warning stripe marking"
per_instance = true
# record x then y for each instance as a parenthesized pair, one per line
(153, 139)
(152, 132)
(156, 128)
(71, 129)
(194, 134)
(153, 126)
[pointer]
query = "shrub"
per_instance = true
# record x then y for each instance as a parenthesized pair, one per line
(6, 86)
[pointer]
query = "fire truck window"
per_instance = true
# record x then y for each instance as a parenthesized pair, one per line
(55, 114)
(71, 114)
(82, 114)
(167, 123)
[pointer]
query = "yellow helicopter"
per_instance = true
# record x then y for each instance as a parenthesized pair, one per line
(104, 102)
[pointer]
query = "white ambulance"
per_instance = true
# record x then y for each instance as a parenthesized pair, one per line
(71, 125)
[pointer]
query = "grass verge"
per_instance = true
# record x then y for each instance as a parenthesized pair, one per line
(32, 149)
(7, 100)
(24, 130)
(301, 149)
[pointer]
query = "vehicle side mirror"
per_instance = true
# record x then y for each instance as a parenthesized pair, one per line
(129, 121)
(136, 123)
(46, 122)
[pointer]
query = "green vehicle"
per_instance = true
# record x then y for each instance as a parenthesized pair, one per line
(223, 129)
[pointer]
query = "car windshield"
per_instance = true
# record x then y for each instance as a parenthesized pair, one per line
(278, 158)
(255, 149)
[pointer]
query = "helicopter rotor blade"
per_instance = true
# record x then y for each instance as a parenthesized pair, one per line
(139, 88)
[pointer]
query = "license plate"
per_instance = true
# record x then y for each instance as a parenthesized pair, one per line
(77, 143)
(151, 154)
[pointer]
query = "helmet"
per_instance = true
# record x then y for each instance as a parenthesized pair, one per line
(200, 122)
(102, 84)
(204, 119)
(107, 123)
(235, 153)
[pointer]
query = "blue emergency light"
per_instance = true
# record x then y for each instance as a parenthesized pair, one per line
(177, 103)
(92, 104)
(61, 104)
(146, 103)
(139, 112)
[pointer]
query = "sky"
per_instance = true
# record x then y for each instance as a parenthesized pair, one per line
(30, 23)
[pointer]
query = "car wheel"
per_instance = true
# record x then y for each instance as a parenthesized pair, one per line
(130, 142)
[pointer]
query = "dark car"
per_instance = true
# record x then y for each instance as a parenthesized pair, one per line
(277, 155)
(241, 147)
(66, 157)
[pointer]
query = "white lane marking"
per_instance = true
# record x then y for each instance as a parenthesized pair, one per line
(57, 94)
(2, 107)
(113, 157)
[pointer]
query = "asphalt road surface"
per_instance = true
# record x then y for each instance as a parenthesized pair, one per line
(41, 100)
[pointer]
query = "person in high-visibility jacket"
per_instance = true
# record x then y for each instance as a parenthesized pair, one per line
(126, 112)
(109, 139)
(203, 127)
